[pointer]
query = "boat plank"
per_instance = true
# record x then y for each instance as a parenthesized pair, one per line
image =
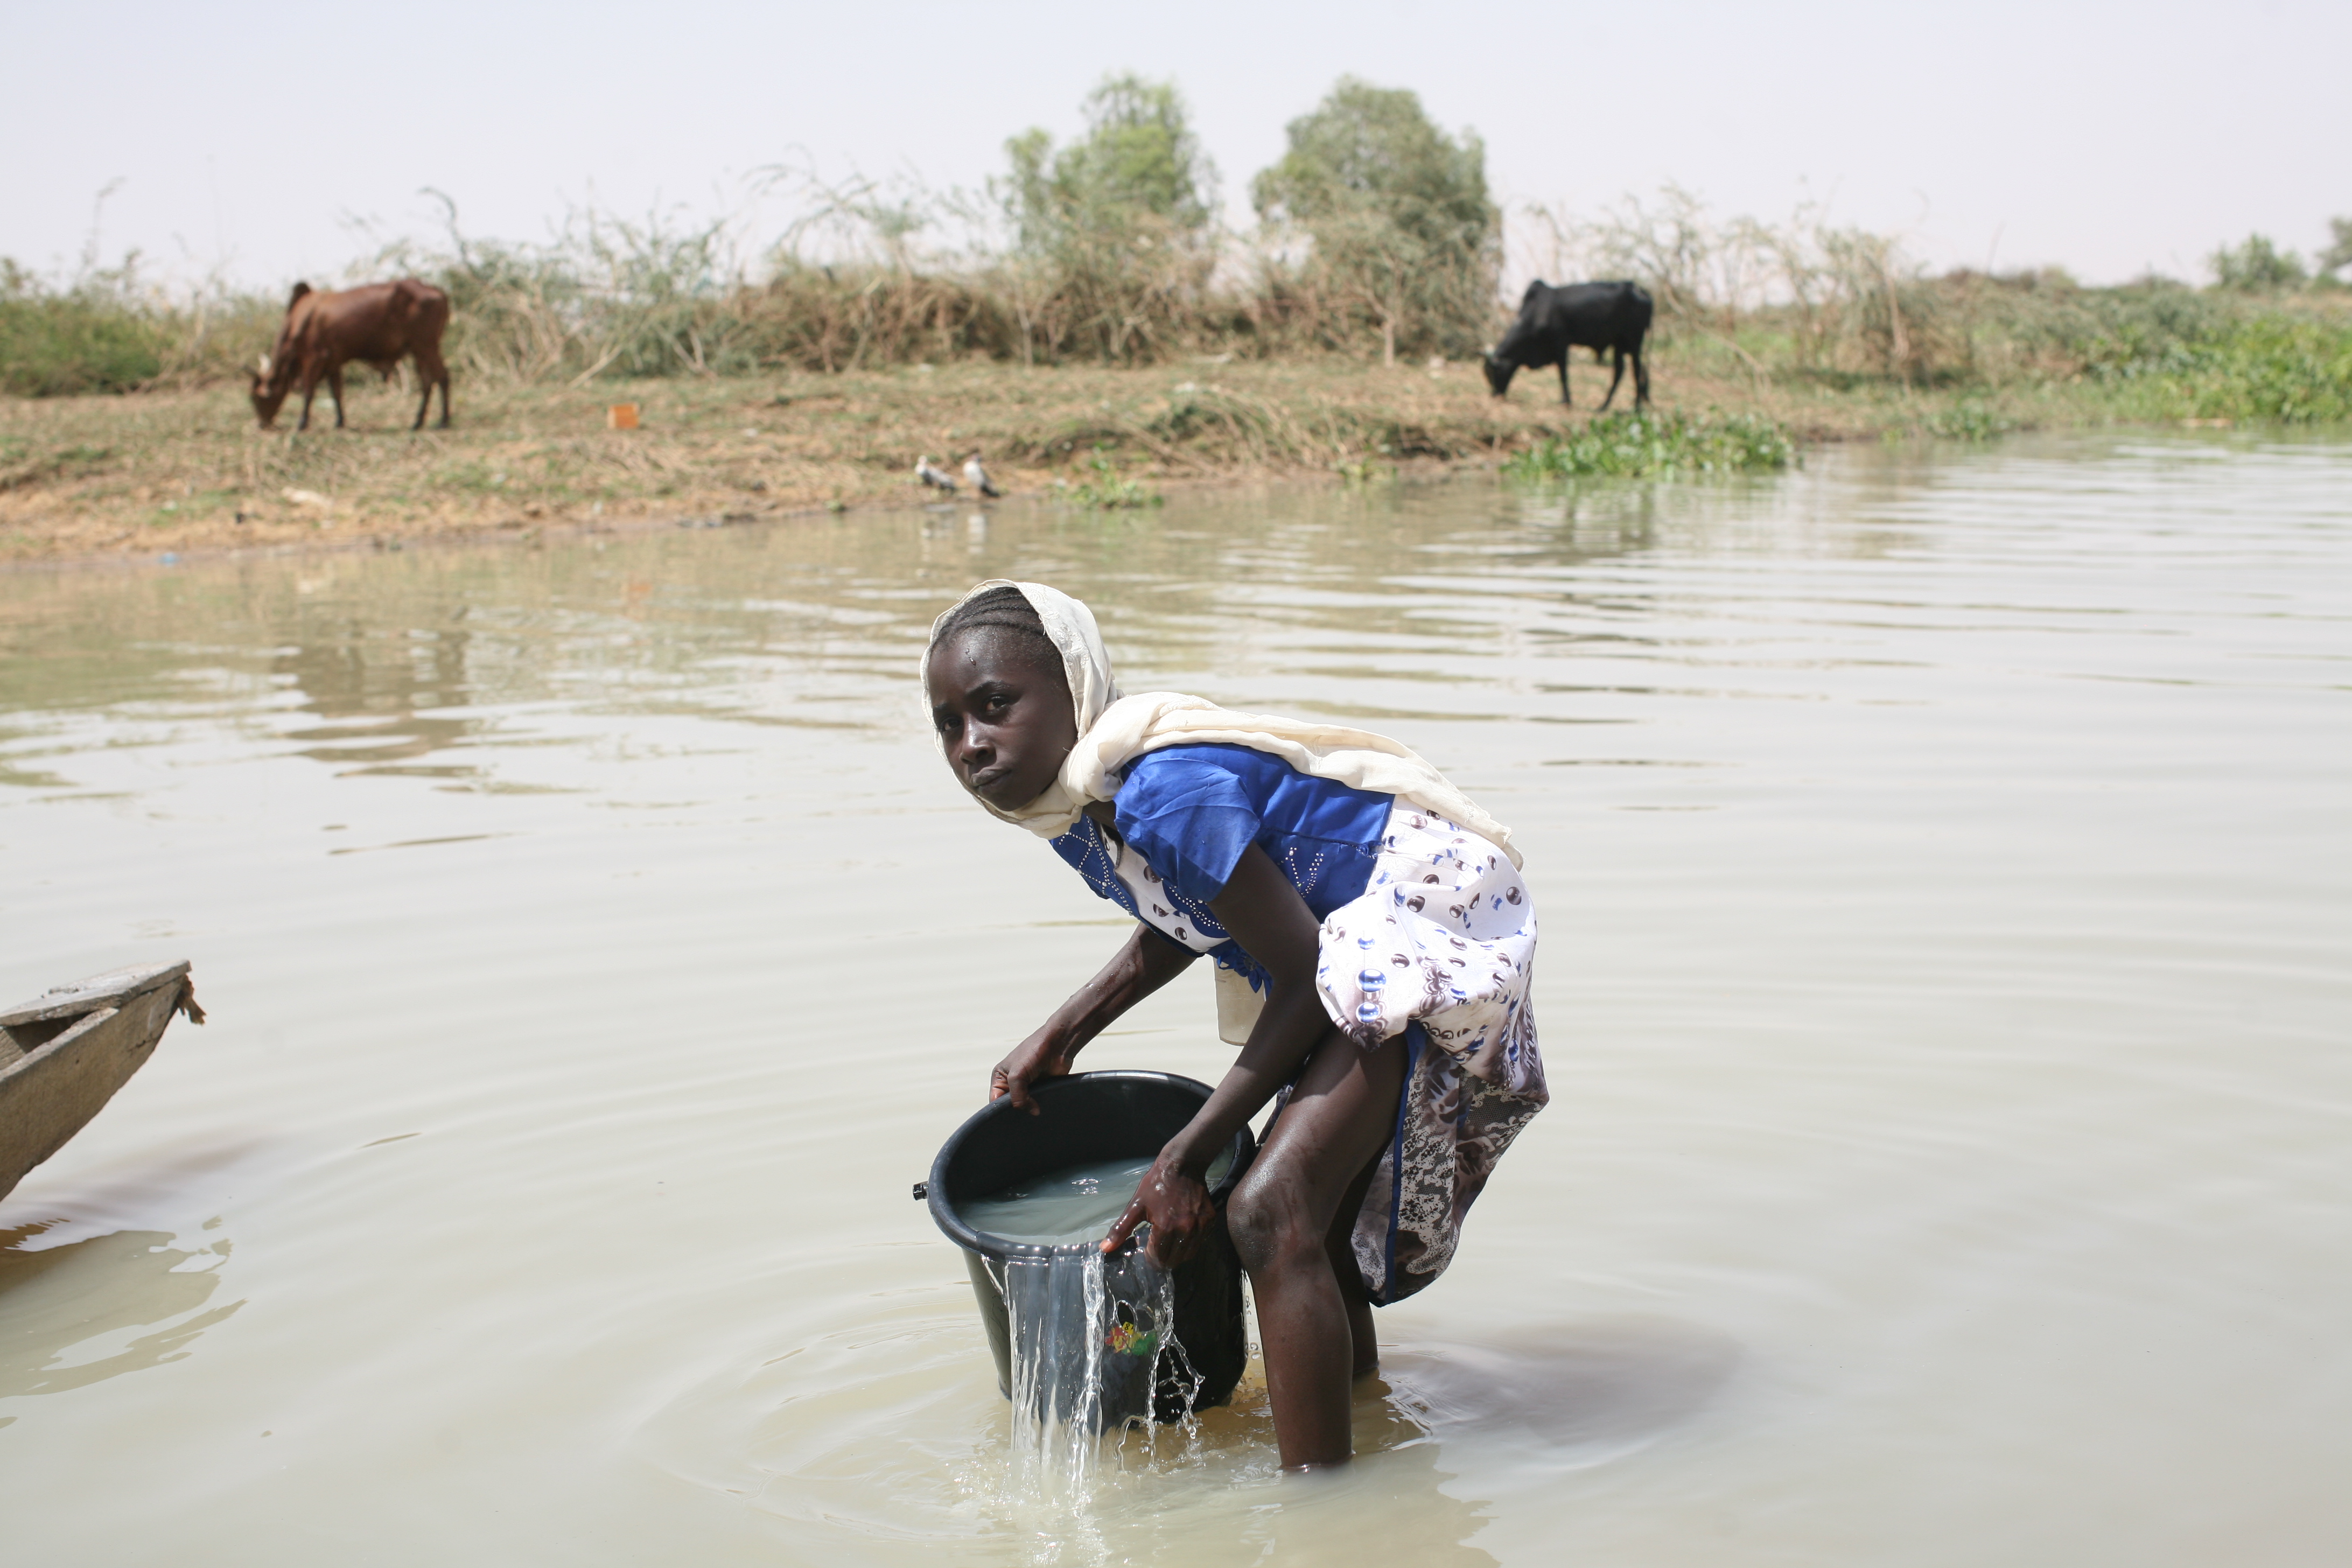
(108, 990)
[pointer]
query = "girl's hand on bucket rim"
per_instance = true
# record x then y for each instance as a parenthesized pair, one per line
(1176, 1204)
(1040, 1055)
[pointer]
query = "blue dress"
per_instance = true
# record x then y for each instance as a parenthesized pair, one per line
(1188, 812)
(1427, 934)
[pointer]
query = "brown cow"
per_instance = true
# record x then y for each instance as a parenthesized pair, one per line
(379, 325)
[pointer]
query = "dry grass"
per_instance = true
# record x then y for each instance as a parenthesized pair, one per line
(184, 471)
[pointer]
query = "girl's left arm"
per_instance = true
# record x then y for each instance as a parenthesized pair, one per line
(1261, 910)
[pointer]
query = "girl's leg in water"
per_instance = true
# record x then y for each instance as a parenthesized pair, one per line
(1283, 1219)
(1340, 1246)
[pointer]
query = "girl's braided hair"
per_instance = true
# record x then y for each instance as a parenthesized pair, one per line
(1004, 609)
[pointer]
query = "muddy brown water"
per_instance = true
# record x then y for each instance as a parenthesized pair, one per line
(1944, 861)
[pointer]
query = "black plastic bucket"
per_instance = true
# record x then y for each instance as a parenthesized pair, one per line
(1081, 1119)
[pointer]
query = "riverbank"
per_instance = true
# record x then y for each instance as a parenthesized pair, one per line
(185, 472)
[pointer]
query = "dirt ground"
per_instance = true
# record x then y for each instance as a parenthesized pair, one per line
(181, 473)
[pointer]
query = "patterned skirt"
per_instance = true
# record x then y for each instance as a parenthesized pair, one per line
(1435, 956)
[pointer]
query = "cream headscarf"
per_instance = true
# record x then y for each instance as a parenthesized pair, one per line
(1113, 731)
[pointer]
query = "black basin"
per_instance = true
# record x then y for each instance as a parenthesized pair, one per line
(1081, 1119)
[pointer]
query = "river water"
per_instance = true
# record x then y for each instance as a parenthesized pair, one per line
(1945, 868)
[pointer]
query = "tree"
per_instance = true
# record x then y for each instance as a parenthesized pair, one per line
(1139, 165)
(1396, 214)
(1115, 226)
(2338, 254)
(2256, 264)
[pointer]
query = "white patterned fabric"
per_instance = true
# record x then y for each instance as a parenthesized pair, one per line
(1444, 935)
(1439, 949)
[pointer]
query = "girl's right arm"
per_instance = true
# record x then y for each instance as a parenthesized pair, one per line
(1142, 965)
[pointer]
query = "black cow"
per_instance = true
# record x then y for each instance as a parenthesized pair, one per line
(1598, 316)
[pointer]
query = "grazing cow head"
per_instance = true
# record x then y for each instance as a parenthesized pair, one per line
(268, 392)
(276, 376)
(1499, 371)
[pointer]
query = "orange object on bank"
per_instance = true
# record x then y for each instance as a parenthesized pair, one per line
(621, 417)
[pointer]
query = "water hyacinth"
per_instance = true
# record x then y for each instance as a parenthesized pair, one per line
(1637, 444)
(1105, 488)
(2273, 367)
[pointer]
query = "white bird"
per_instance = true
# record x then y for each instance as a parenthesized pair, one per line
(938, 478)
(977, 477)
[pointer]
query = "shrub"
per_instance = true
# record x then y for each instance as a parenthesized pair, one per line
(1966, 420)
(2272, 367)
(89, 337)
(2256, 265)
(106, 331)
(1105, 488)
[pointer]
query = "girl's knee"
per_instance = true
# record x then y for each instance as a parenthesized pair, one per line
(1270, 1225)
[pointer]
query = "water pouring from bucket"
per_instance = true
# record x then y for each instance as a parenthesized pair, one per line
(1087, 1343)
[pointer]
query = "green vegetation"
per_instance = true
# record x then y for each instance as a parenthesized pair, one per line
(1140, 167)
(1634, 445)
(1105, 488)
(2295, 369)
(85, 338)
(1969, 419)
(2257, 265)
(1113, 239)
(1402, 234)
(107, 330)
(2338, 253)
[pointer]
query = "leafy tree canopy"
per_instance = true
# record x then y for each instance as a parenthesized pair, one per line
(2256, 264)
(2338, 253)
(1402, 227)
(1367, 149)
(1139, 165)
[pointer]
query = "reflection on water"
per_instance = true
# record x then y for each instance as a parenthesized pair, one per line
(1588, 1391)
(73, 1314)
(1945, 874)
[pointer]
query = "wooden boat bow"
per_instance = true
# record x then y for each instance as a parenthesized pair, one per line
(64, 1054)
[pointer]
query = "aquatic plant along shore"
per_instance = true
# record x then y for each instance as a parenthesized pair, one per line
(1634, 445)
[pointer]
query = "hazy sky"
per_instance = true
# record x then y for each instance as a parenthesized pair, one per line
(2105, 137)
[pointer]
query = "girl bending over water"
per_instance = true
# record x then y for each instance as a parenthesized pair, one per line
(1374, 945)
